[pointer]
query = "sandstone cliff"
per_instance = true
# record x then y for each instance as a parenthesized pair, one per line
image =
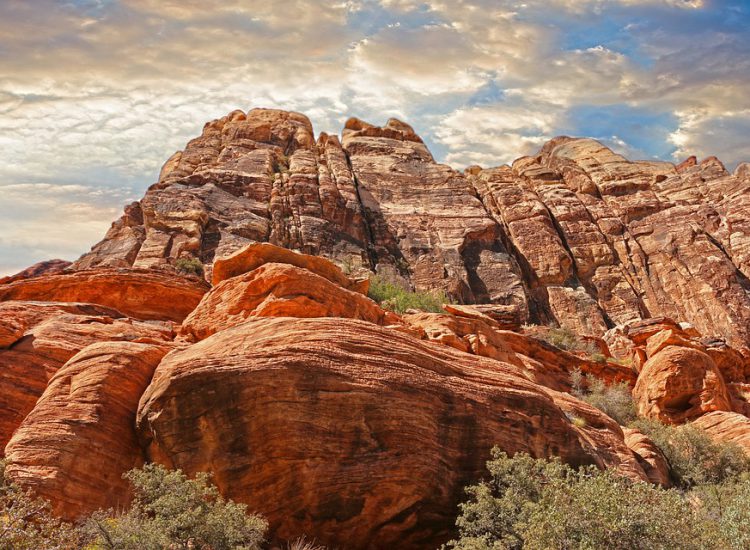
(576, 235)
(326, 413)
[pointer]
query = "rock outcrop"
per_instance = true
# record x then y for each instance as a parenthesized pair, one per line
(139, 293)
(79, 439)
(327, 414)
(576, 235)
(368, 433)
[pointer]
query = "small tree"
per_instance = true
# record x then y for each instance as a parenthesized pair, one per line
(189, 266)
(26, 522)
(694, 458)
(615, 400)
(171, 511)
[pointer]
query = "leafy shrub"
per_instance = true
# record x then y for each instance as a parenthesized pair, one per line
(189, 266)
(391, 295)
(26, 522)
(171, 511)
(693, 457)
(616, 400)
(567, 340)
(538, 504)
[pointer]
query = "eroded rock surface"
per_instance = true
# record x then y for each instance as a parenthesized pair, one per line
(368, 433)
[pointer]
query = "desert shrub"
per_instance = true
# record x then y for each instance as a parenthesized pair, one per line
(726, 506)
(189, 266)
(615, 400)
(171, 511)
(26, 522)
(541, 504)
(693, 457)
(393, 296)
(590, 509)
(567, 340)
(302, 543)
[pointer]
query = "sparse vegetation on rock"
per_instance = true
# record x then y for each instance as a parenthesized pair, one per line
(395, 297)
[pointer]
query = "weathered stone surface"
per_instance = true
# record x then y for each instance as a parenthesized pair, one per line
(357, 435)
(48, 267)
(255, 255)
(139, 293)
(576, 235)
(539, 361)
(679, 384)
(276, 290)
(649, 456)
(79, 439)
(727, 427)
(47, 335)
(425, 219)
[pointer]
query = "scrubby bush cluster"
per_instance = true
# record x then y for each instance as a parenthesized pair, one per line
(189, 266)
(567, 340)
(169, 511)
(537, 504)
(694, 458)
(615, 400)
(27, 524)
(393, 296)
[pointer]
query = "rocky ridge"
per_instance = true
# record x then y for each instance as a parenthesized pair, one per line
(322, 411)
(576, 235)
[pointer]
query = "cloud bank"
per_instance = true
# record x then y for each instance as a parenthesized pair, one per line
(96, 94)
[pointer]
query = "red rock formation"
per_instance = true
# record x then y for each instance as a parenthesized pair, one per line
(355, 434)
(679, 384)
(258, 254)
(139, 293)
(649, 456)
(727, 427)
(576, 235)
(48, 267)
(276, 290)
(43, 337)
(79, 439)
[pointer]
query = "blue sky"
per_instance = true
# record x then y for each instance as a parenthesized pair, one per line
(96, 94)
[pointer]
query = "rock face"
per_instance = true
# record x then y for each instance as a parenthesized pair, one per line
(332, 417)
(576, 235)
(272, 403)
(143, 294)
(45, 336)
(78, 440)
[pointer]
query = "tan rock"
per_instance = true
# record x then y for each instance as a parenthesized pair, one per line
(277, 290)
(355, 434)
(679, 384)
(79, 439)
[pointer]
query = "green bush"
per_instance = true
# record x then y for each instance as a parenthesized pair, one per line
(567, 340)
(189, 266)
(171, 511)
(616, 400)
(694, 458)
(391, 295)
(539, 504)
(26, 522)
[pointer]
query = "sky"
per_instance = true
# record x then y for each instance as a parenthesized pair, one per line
(96, 94)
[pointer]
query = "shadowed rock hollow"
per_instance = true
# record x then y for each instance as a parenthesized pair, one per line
(322, 411)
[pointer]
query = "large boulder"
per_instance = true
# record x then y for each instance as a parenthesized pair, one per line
(41, 336)
(138, 293)
(79, 439)
(276, 290)
(357, 435)
(679, 384)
